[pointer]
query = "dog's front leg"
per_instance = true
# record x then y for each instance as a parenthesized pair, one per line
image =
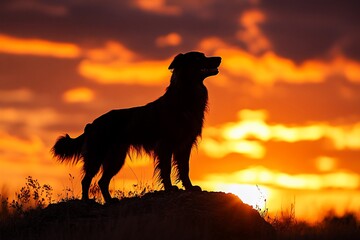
(164, 166)
(182, 158)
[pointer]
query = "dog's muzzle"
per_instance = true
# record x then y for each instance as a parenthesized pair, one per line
(210, 71)
(212, 66)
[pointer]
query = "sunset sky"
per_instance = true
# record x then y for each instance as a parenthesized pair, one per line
(284, 111)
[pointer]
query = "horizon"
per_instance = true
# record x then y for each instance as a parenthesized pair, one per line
(284, 111)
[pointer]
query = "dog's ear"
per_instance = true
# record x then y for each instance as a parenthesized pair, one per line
(177, 61)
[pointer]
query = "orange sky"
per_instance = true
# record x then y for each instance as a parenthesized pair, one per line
(284, 119)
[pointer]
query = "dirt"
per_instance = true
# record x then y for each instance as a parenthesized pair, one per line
(156, 215)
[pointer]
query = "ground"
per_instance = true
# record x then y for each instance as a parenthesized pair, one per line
(156, 215)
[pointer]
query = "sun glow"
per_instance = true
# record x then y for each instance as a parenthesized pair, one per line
(304, 181)
(248, 134)
(254, 195)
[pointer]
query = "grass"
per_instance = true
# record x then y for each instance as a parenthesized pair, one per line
(35, 196)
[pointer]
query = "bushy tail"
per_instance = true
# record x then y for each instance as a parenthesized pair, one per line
(67, 149)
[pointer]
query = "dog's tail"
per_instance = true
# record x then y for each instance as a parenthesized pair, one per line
(67, 149)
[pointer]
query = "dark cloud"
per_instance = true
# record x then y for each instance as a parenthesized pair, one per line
(94, 22)
(307, 29)
(297, 29)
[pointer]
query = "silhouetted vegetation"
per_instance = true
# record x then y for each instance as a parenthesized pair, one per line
(35, 214)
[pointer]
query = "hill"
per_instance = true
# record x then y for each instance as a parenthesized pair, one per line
(156, 215)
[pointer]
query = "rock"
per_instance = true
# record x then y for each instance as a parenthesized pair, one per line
(157, 215)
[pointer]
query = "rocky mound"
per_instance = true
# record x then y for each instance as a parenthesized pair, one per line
(158, 215)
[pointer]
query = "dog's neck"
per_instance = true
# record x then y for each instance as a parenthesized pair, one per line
(193, 94)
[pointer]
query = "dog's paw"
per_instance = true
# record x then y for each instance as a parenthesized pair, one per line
(194, 189)
(112, 201)
(88, 200)
(172, 188)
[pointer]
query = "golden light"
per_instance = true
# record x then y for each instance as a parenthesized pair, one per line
(216, 149)
(16, 146)
(39, 47)
(33, 119)
(114, 63)
(268, 68)
(325, 164)
(254, 195)
(138, 160)
(258, 175)
(152, 73)
(157, 6)
(348, 67)
(78, 95)
(112, 51)
(247, 128)
(246, 136)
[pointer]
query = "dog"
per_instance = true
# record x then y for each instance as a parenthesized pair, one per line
(167, 129)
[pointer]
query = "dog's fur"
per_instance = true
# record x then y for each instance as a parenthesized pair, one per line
(166, 129)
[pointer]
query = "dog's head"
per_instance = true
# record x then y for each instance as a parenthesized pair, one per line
(195, 65)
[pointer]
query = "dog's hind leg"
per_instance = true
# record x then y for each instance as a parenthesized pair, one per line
(111, 166)
(91, 168)
(181, 160)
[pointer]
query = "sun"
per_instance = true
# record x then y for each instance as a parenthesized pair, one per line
(254, 195)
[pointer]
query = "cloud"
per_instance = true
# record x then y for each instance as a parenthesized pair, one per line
(21, 157)
(32, 118)
(171, 39)
(113, 63)
(247, 134)
(302, 30)
(325, 164)
(37, 6)
(157, 6)
(38, 47)
(39, 122)
(11, 145)
(117, 64)
(269, 68)
(112, 51)
(79, 95)
(16, 95)
(263, 176)
(252, 35)
(219, 149)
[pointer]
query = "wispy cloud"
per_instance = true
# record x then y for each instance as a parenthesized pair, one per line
(247, 135)
(158, 6)
(16, 95)
(260, 175)
(251, 35)
(171, 39)
(38, 47)
(79, 95)
(37, 6)
(269, 68)
(117, 64)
